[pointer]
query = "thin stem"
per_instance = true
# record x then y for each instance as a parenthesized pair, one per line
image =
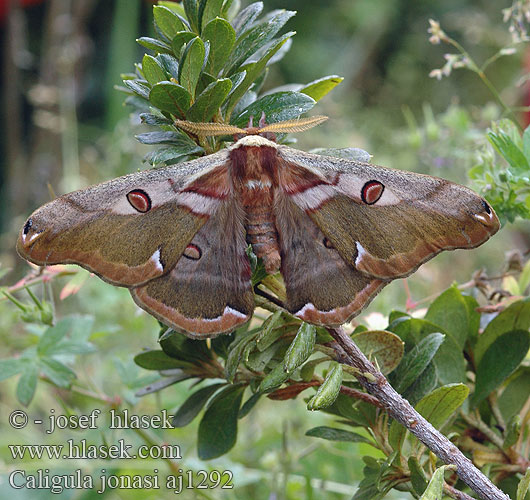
(472, 65)
(402, 411)
(477, 422)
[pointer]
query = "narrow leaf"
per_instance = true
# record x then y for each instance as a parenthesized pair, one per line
(191, 64)
(317, 89)
(256, 37)
(155, 45)
(329, 390)
(246, 17)
(301, 347)
(416, 360)
(156, 360)
(332, 434)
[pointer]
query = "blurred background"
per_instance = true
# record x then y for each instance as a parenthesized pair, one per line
(65, 126)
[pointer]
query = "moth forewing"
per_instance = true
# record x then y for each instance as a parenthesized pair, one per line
(337, 230)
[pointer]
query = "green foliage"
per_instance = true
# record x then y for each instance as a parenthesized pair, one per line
(210, 63)
(210, 67)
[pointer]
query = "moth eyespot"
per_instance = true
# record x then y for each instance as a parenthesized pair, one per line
(487, 208)
(139, 200)
(371, 192)
(27, 226)
(192, 252)
(327, 243)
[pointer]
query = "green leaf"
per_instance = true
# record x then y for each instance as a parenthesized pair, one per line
(248, 405)
(385, 347)
(162, 383)
(152, 119)
(526, 142)
(222, 38)
(246, 17)
(418, 478)
(515, 317)
(450, 362)
(235, 354)
(191, 9)
(58, 373)
(191, 64)
(254, 71)
(168, 22)
(258, 360)
(27, 383)
(450, 311)
(509, 150)
(332, 434)
(277, 107)
(515, 394)
(523, 486)
(175, 138)
(500, 359)
(209, 101)
(440, 404)
(193, 405)
(169, 64)
(257, 37)
(329, 389)
(156, 360)
(208, 10)
(181, 38)
(301, 347)
(152, 70)
(396, 435)
(524, 278)
(512, 433)
(218, 426)
(423, 385)
(10, 367)
(171, 155)
(276, 377)
(138, 87)
(170, 97)
(415, 361)
(317, 89)
(155, 45)
(270, 330)
(434, 490)
(53, 335)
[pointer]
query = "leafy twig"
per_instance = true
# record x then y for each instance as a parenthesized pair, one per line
(402, 411)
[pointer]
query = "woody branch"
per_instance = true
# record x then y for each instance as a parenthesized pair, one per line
(402, 411)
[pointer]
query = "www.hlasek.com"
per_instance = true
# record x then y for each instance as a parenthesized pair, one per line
(46, 479)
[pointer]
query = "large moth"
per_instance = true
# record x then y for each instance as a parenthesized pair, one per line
(337, 230)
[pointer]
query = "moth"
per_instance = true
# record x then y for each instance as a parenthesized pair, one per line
(337, 230)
